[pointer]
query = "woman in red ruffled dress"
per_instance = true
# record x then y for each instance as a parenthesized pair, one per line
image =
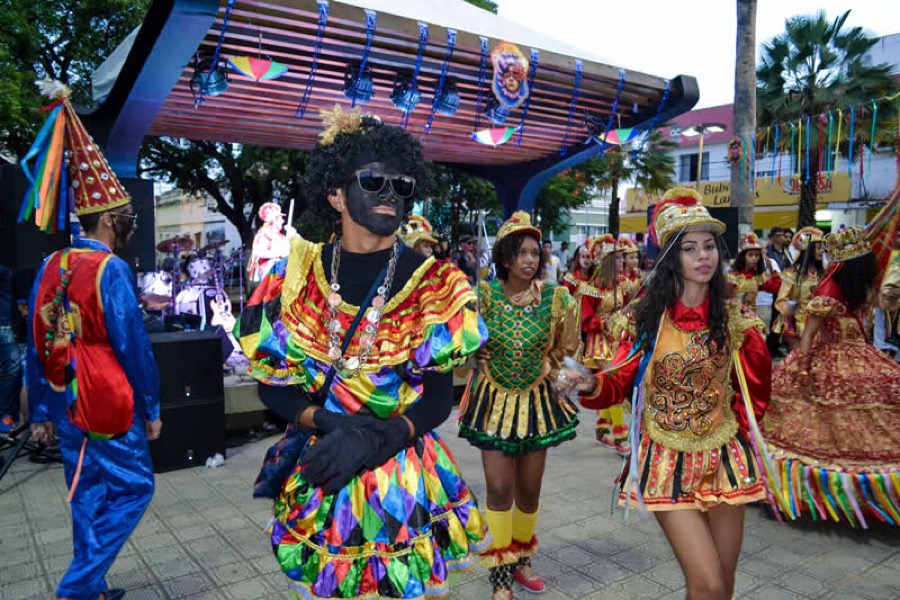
(833, 429)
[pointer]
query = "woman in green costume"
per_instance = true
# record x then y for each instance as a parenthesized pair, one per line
(511, 412)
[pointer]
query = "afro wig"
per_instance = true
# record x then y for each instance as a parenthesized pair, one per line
(333, 162)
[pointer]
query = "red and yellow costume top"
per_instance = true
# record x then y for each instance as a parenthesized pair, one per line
(694, 451)
(747, 284)
(798, 290)
(598, 306)
(575, 280)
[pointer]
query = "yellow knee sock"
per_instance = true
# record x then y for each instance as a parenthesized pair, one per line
(523, 524)
(500, 524)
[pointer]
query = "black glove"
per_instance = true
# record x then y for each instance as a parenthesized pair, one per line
(327, 421)
(334, 460)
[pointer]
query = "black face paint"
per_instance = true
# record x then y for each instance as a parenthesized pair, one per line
(373, 210)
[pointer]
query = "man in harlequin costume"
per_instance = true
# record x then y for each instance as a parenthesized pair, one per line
(353, 344)
(270, 243)
(91, 375)
(417, 234)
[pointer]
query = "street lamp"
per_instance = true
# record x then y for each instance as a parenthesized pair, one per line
(702, 129)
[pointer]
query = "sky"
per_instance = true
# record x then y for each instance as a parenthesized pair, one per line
(690, 37)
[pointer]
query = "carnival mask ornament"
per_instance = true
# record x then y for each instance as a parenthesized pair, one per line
(377, 196)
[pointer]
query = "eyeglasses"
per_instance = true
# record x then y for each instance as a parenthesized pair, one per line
(373, 182)
(127, 216)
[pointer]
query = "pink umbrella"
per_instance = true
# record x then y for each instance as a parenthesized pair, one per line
(494, 136)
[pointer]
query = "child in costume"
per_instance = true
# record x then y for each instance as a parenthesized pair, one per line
(353, 343)
(691, 464)
(418, 235)
(798, 282)
(749, 275)
(833, 428)
(580, 271)
(510, 411)
(631, 278)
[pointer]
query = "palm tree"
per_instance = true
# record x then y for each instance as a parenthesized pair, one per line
(813, 67)
(651, 168)
(744, 111)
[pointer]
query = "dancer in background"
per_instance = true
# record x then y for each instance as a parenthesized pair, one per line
(270, 244)
(511, 412)
(353, 343)
(580, 270)
(418, 235)
(600, 303)
(749, 275)
(834, 425)
(631, 278)
(798, 282)
(90, 371)
(693, 467)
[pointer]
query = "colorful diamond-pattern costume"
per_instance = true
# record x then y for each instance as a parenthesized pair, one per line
(397, 530)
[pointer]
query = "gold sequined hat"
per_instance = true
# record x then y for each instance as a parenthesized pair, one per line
(806, 236)
(749, 242)
(626, 246)
(416, 229)
(602, 246)
(682, 210)
(846, 244)
(519, 222)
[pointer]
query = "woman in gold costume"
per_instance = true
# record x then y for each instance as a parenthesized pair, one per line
(511, 413)
(798, 282)
(692, 464)
(834, 426)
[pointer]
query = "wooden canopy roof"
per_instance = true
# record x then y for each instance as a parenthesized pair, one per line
(264, 113)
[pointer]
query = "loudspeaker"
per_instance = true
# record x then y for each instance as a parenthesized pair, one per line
(22, 245)
(192, 399)
(141, 251)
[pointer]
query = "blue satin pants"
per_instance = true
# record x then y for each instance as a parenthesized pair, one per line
(114, 490)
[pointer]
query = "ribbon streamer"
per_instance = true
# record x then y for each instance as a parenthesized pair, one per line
(657, 117)
(204, 85)
(439, 90)
(576, 92)
(532, 71)
(808, 139)
(317, 50)
(775, 154)
(482, 76)
(872, 135)
(851, 150)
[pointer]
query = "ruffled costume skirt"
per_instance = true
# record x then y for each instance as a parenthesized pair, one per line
(491, 418)
(670, 479)
(836, 447)
(393, 532)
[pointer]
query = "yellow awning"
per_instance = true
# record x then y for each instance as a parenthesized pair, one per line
(633, 223)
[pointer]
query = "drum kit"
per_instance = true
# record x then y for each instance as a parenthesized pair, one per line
(199, 291)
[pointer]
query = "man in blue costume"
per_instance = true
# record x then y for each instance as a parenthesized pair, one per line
(90, 370)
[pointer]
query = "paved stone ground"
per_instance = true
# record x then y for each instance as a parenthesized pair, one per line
(202, 538)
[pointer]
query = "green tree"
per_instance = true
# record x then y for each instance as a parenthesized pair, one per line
(456, 200)
(59, 39)
(650, 167)
(815, 66)
(239, 178)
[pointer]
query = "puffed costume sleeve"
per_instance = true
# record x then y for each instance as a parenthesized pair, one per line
(826, 300)
(566, 336)
(615, 387)
(757, 366)
(453, 328)
(786, 292)
(771, 284)
(265, 339)
(128, 336)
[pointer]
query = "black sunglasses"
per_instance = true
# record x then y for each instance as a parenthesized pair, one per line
(373, 182)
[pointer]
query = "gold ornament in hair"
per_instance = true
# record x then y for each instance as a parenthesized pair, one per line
(337, 122)
(847, 244)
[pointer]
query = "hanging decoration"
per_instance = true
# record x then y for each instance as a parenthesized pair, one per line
(256, 67)
(656, 119)
(406, 94)
(358, 84)
(317, 50)
(617, 137)
(735, 151)
(576, 92)
(509, 83)
(494, 136)
(532, 71)
(211, 78)
(482, 76)
(439, 90)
